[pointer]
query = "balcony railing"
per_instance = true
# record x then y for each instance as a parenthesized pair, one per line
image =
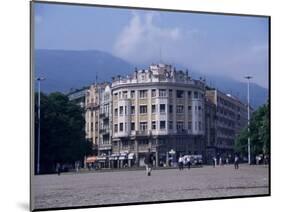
(143, 133)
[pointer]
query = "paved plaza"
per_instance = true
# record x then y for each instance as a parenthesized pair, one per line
(99, 188)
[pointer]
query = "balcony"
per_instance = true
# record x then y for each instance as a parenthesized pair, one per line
(92, 106)
(141, 133)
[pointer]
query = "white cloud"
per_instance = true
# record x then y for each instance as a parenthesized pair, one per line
(141, 40)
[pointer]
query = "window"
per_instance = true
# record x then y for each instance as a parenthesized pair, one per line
(170, 125)
(199, 107)
(195, 95)
(116, 112)
(125, 94)
(162, 108)
(126, 112)
(162, 92)
(180, 93)
(143, 93)
(189, 125)
(115, 128)
(153, 125)
(143, 126)
(153, 108)
(121, 110)
(121, 127)
(132, 110)
(153, 92)
(189, 108)
(132, 94)
(143, 109)
(162, 125)
(92, 126)
(170, 93)
(180, 108)
(200, 125)
(189, 94)
(170, 108)
(180, 126)
(132, 125)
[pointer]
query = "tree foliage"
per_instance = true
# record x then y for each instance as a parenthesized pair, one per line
(259, 133)
(62, 132)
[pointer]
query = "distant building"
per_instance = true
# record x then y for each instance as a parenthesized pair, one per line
(78, 96)
(231, 118)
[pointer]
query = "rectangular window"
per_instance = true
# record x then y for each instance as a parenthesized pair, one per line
(121, 127)
(132, 110)
(153, 108)
(200, 125)
(170, 93)
(125, 94)
(143, 126)
(162, 125)
(170, 125)
(180, 126)
(162, 108)
(121, 110)
(92, 126)
(153, 125)
(153, 93)
(180, 108)
(132, 94)
(115, 112)
(170, 108)
(189, 108)
(143, 109)
(195, 95)
(180, 93)
(189, 93)
(143, 93)
(189, 125)
(115, 128)
(199, 107)
(162, 92)
(132, 125)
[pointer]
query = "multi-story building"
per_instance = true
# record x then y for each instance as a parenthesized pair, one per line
(78, 96)
(159, 108)
(231, 118)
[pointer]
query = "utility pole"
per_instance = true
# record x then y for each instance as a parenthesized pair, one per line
(39, 79)
(249, 139)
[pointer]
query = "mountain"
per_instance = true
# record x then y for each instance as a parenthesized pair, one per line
(65, 69)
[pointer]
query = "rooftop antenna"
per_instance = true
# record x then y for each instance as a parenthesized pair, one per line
(161, 54)
(96, 78)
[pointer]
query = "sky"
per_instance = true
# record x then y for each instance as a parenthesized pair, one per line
(233, 46)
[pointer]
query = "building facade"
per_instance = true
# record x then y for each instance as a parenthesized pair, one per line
(231, 118)
(159, 108)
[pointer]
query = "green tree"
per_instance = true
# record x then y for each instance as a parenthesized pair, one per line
(62, 132)
(259, 133)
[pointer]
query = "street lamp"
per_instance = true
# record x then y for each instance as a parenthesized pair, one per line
(38, 79)
(249, 139)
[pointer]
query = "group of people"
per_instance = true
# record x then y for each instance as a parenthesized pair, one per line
(236, 161)
(184, 162)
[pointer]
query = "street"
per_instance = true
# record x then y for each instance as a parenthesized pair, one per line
(116, 187)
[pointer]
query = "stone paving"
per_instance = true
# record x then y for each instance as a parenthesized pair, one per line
(99, 188)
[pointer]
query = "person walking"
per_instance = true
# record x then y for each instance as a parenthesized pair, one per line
(214, 162)
(148, 160)
(180, 161)
(188, 162)
(58, 168)
(236, 162)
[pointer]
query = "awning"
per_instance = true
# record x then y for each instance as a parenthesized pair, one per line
(131, 156)
(113, 157)
(99, 158)
(91, 159)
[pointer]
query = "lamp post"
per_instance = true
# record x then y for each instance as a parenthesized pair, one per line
(39, 79)
(249, 139)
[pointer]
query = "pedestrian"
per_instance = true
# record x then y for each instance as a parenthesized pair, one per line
(220, 161)
(214, 161)
(180, 161)
(188, 162)
(148, 160)
(236, 162)
(227, 161)
(58, 169)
